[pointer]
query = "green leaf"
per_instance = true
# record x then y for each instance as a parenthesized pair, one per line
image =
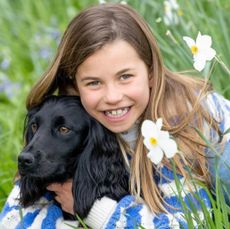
(227, 131)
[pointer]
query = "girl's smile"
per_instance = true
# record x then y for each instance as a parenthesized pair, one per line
(113, 84)
(116, 115)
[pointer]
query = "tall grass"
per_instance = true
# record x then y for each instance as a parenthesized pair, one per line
(30, 32)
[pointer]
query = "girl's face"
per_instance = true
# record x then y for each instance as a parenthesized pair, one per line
(113, 84)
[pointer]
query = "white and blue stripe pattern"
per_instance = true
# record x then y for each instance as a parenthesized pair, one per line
(137, 214)
(43, 214)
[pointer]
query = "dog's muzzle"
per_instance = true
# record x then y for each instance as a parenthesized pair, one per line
(26, 162)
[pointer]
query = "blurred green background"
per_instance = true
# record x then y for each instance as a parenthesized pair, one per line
(31, 30)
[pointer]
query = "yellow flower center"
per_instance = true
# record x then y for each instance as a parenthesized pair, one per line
(180, 12)
(153, 141)
(194, 49)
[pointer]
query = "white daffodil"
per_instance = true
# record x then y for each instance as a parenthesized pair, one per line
(171, 8)
(157, 141)
(201, 50)
(102, 1)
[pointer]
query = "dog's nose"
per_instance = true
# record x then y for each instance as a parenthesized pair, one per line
(26, 159)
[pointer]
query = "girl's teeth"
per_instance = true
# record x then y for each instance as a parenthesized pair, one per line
(116, 113)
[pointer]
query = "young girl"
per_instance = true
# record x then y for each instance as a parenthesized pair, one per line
(109, 57)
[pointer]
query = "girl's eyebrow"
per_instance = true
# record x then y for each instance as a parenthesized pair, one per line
(123, 71)
(89, 78)
(97, 78)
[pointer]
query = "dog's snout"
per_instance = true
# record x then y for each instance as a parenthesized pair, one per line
(26, 159)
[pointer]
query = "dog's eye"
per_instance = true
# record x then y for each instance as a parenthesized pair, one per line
(64, 130)
(34, 127)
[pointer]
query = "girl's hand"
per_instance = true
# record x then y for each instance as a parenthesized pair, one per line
(64, 195)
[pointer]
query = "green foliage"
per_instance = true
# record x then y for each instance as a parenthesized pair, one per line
(207, 16)
(216, 217)
(31, 30)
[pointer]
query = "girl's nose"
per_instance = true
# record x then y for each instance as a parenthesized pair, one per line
(113, 94)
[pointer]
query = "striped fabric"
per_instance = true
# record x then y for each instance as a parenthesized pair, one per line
(129, 213)
(43, 214)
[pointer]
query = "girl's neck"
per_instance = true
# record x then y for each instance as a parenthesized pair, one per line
(130, 136)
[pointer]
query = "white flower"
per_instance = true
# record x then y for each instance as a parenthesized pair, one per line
(171, 8)
(201, 50)
(157, 141)
(102, 1)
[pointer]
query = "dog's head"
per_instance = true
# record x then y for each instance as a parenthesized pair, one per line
(55, 135)
(62, 142)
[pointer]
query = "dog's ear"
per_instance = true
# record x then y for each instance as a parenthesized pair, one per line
(100, 170)
(27, 133)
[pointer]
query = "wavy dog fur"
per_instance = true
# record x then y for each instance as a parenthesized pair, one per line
(62, 142)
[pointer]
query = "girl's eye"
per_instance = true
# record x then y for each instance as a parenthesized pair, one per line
(64, 130)
(93, 83)
(125, 76)
(34, 127)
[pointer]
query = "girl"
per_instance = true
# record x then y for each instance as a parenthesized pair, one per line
(109, 57)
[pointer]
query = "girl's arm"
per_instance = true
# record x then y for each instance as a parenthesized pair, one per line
(128, 213)
(42, 214)
(107, 213)
(219, 159)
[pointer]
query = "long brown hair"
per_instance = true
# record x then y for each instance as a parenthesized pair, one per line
(173, 97)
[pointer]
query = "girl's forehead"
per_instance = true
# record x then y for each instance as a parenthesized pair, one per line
(112, 59)
(113, 55)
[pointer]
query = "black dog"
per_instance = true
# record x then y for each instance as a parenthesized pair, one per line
(62, 142)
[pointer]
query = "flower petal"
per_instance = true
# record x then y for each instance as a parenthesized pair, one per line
(156, 155)
(163, 135)
(199, 64)
(210, 54)
(203, 41)
(149, 129)
(189, 41)
(159, 123)
(169, 147)
(174, 4)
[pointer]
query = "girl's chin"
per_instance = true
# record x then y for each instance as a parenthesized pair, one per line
(117, 127)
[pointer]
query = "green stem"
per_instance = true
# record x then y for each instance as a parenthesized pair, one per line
(224, 66)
